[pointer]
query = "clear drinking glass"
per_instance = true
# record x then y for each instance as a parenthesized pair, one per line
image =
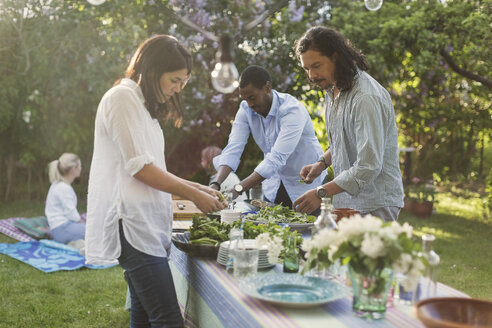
(256, 192)
(404, 296)
(245, 262)
(235, 236)
(432, 271)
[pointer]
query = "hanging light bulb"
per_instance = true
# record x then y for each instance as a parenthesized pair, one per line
(96, 2)
(373, 5)
(225, 75)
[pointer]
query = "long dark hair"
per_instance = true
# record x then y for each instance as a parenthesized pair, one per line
(330, 42)
(155, 56)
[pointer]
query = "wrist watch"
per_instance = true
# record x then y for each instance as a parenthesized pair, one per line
(322, 160)
(321, 192)
(239, 188)
(214, 183)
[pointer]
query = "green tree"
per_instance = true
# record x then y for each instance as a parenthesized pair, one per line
(57, 58)
(434, 57)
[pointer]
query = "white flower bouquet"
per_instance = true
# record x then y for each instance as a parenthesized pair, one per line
(275, 240)
(273, 243)
(368, 246)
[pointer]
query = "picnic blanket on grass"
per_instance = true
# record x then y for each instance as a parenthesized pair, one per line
(8, 228)
(42, 254)
(47, 255)
(27, 229)
(37, 228)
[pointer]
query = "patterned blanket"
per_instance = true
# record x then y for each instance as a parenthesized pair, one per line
(47, 255)
(8, 228)
(37, 228)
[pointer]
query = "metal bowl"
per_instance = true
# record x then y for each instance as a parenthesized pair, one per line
(181, 241)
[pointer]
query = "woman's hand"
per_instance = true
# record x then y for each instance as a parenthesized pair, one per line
(207, 203)
(208, 190)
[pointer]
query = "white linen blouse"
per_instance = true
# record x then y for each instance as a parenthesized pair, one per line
(126, 138)
(61, 204)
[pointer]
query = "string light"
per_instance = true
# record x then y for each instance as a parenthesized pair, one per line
(225, 75)
(96, 2)
(373, 5)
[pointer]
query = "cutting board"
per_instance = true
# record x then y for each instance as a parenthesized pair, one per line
(187, 212)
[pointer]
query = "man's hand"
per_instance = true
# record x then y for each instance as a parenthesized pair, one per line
(234, 193)
(307, 202)
(312, 171)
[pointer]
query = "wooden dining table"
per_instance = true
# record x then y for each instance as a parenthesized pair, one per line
(210, 297)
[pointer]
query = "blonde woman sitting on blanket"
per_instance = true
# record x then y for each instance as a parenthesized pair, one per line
(61, 203)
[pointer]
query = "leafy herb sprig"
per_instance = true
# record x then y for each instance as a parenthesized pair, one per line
(279, 214)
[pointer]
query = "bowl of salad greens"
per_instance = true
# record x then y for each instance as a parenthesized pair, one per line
(283, 216)
(182, 242)
(205, 235)
(203, 238)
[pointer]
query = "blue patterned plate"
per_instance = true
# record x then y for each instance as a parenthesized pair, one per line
(292, 290)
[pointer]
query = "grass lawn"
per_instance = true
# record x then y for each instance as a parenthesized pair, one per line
(81, 298)
(95, 298)
(463, 241)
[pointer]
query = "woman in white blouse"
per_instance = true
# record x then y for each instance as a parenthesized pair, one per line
(129, 214)
(61, 201)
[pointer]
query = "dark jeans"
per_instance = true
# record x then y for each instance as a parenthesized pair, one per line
(153, 297)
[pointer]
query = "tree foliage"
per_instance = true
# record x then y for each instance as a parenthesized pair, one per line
(435, 59)
(58, 57)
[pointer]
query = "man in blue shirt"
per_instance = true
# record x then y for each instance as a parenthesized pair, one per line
(282, 128)
(361, 127)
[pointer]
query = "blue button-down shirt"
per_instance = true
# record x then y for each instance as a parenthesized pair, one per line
(286, 137)
(363, 139)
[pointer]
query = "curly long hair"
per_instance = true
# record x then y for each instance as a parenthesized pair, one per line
(330, 42)
(155, 56)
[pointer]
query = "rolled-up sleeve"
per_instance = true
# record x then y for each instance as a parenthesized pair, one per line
(231, 155)
(367, 121)
(125, 122)
(292, 123)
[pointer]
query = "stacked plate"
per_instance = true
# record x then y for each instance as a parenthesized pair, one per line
(223, 255)
(229, 216)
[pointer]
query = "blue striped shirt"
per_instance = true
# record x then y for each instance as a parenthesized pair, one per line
(286, 137)
(363, 139)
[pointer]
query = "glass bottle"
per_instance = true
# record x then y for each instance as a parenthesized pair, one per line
(235, 240)
(291, 255)
(432, 271)
(326, 218)
(230, 201)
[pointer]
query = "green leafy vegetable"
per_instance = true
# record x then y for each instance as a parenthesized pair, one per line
(279, 214)
(210, 229)
(221, 196)
(206, 231)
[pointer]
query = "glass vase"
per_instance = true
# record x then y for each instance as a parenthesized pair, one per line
(370, 293)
